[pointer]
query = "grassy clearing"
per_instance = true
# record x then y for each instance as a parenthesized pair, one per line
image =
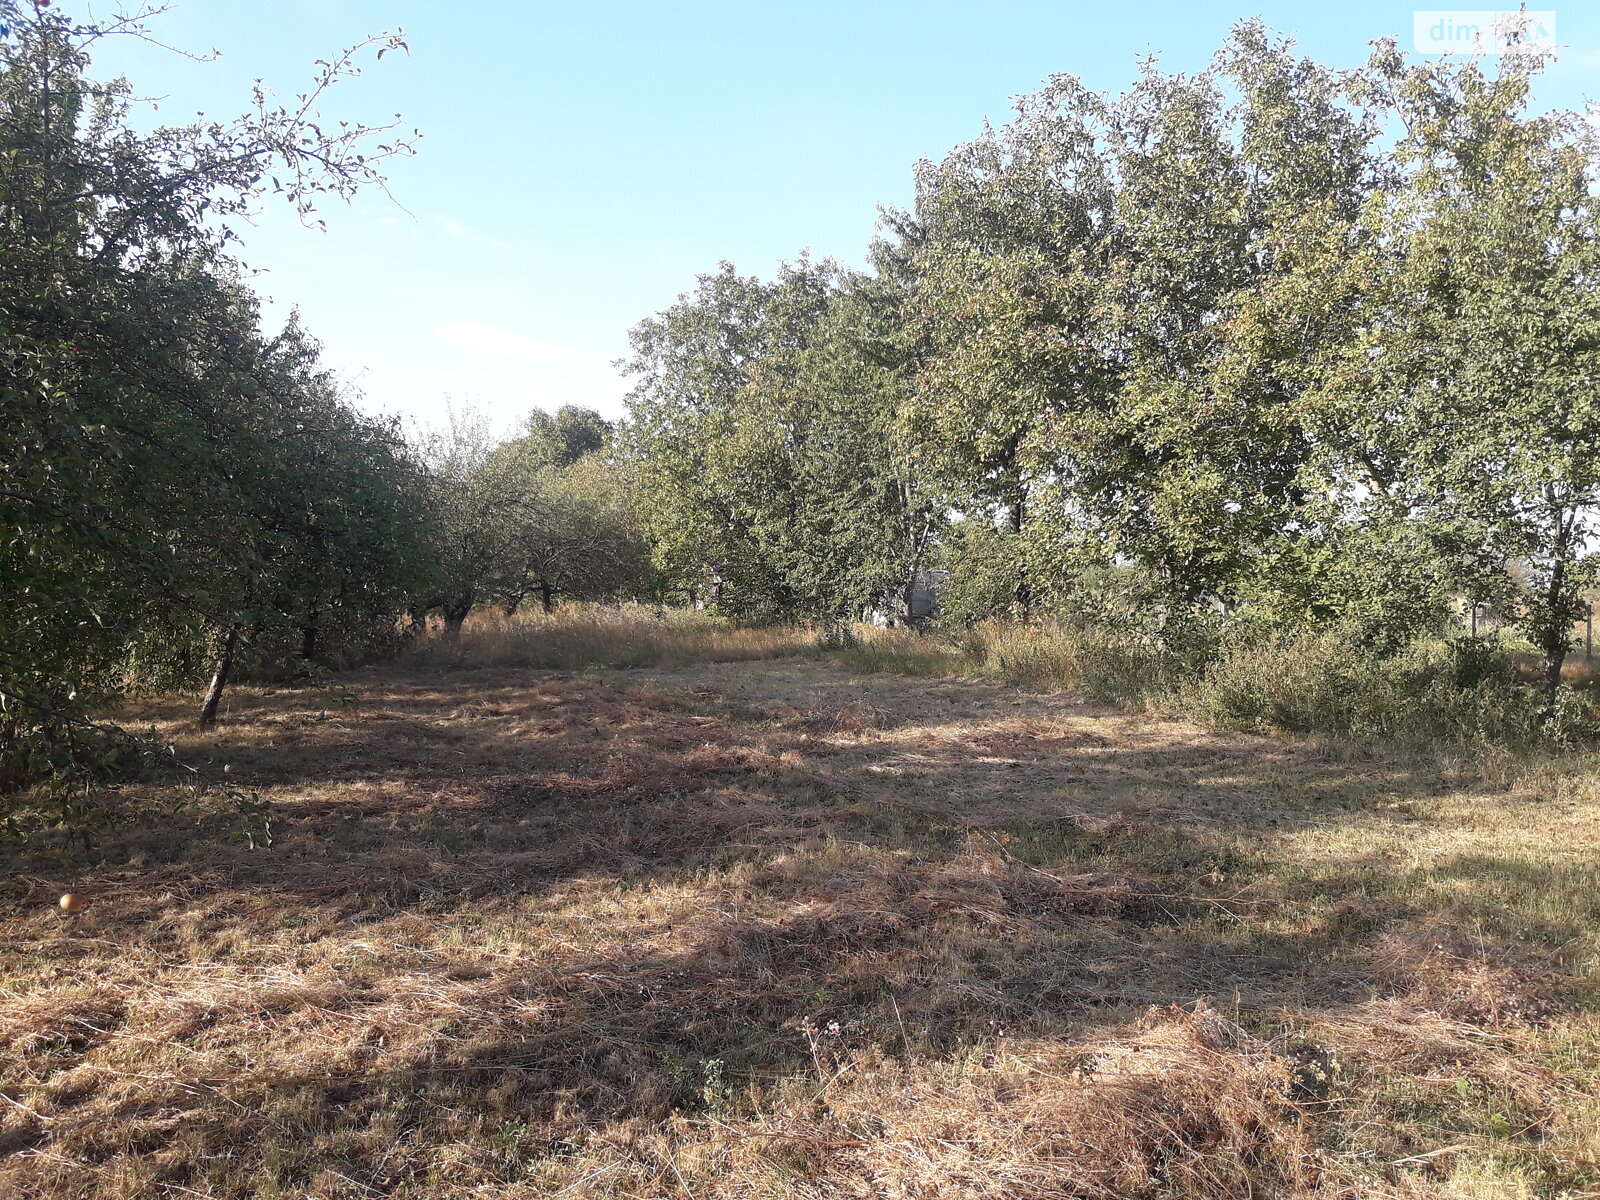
(776, 928)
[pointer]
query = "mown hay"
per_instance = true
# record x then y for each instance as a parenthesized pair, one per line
(1189, 1105)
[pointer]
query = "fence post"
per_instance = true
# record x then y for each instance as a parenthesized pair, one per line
(1474, 620)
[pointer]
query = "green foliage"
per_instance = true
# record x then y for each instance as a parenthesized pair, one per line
(561, 439)
(1471, 661)
(175, 479)
(1263, 356)
(1462, 387)
(54, 767)
(1267, 348)
(548, 514)
(984, 564)
(1431, 694)
(762, 429)
(838, 635)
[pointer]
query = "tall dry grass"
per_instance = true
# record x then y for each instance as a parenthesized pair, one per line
(1444, 694)
(1100, 663)
(579, 636)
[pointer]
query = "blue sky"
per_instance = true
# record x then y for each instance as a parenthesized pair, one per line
(581, 162)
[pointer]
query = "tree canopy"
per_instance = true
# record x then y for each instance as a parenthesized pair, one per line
(1299, 345)
(178, 482)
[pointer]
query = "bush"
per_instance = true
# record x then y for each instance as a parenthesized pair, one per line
(838, 635)
(1457, 692)
(1474, 660)
(1453, 693)
(55, 772)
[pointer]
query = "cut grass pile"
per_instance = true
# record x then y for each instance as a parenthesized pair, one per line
(773, 929)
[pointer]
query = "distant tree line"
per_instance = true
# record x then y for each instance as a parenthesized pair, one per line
(541, 517)
(1302, 346)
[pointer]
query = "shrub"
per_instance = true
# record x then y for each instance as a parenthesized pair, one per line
(838, 635)
(1452, 693)
(1457, 692)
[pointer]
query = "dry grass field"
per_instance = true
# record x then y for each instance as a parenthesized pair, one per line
(773, 928)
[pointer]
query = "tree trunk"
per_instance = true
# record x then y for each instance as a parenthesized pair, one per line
(219, 676)
(1023, 596)
(308, 637)
(547, 597)
(1553, 661)
(510, 606)
(1556, 636)
(455, 615)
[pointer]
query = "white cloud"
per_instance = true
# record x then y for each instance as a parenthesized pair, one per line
(486, 339)
(467, 233)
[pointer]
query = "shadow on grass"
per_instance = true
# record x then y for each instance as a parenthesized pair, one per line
(538, 903)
